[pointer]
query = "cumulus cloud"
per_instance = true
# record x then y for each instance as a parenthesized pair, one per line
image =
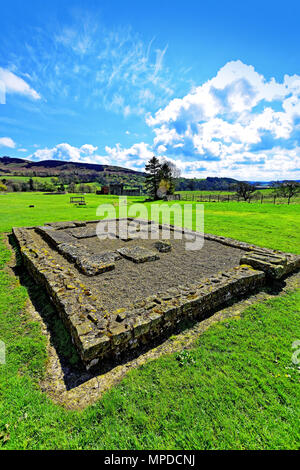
(16, 85)
(88, 149)
(7, 142)
(68, 153)
(133, 157)
(237, 123)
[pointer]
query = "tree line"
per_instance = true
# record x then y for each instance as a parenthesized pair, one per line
(54, 185)
(285, 189)
(162, 180)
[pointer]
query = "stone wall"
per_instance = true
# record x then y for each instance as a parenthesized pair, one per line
(98, 333)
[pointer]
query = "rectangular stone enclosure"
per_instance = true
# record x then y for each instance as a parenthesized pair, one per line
(122, 291)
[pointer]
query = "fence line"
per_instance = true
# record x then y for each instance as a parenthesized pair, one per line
(260, 198)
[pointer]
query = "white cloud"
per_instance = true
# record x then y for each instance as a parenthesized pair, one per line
(16, 85)
(234, 124)
(277, 164)
(7, 142)
(135, 156)
(236, 88)
(159, 63)
(69, 153)
(88, 149)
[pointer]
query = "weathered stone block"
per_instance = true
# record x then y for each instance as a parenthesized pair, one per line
(55, 237)
(93, 347)
(84, 328)
(120, 334)
(163, 246)
(93, 265)
(66, 225)
(70, 252)
(138, 254)
(272, 265)
(84, 232)
(141, 326)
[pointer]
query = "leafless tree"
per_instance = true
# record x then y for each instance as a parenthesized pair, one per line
(245, 190)
(286, 189)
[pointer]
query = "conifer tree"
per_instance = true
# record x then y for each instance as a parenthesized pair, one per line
(153, 177)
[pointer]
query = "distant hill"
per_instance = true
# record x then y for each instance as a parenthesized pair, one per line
(208, 184)
(68, 172)
(19, 166)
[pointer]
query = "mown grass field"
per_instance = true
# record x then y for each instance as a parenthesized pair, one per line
(263, 224)
(237, 389)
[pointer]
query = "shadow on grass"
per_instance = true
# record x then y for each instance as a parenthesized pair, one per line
(74, 372)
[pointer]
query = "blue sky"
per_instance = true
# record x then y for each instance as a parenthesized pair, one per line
(213, 86)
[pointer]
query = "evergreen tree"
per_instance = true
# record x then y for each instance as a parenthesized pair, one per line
(153, 177)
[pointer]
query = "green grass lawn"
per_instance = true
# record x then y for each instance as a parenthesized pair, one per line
(266, 225)
(237, 389)
(263, 224)
(15, 210)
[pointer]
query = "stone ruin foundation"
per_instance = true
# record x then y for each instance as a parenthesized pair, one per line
(119, 293)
